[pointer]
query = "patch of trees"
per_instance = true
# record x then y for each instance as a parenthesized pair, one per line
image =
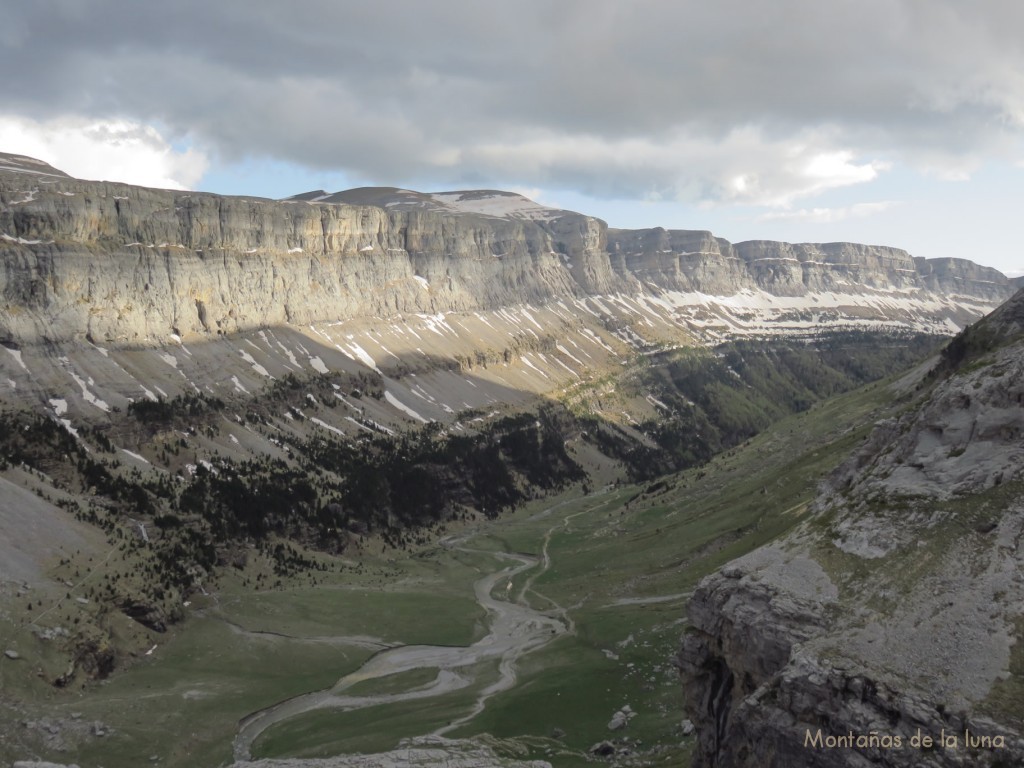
(418, 478)
(331, 491)
(188, 410)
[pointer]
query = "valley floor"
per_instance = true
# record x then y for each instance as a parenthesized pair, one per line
(525, 635)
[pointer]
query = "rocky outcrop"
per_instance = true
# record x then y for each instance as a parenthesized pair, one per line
(894, 614)
(771, 681)
(121, 264)
(698, 261)
(422, 752)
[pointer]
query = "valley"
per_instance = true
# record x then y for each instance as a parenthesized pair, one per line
(459, 479)
(620, 563)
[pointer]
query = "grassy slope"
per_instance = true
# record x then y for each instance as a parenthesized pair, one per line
(184, 701)
(621, 543)
(660, 543)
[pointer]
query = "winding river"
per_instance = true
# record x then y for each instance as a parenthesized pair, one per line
(515, 629)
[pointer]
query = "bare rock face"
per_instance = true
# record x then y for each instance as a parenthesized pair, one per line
(698, 261)
(120, 264)
(774, 680)
(894, 615)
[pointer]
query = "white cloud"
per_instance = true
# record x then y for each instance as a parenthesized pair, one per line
(744, 166)
(112, 150)
(530, 193)
(708, 102)
(830, 215)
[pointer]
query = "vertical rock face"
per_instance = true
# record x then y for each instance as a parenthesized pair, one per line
(128, 264)
(895, 612)
(122, 263)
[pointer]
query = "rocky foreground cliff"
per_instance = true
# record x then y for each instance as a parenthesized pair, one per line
(887, 629)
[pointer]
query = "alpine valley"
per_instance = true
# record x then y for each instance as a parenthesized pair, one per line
(390, 478)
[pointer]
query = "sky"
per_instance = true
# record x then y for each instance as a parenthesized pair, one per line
(895, 122)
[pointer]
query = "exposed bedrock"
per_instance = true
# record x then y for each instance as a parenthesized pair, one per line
(896, 609)
(117, 263)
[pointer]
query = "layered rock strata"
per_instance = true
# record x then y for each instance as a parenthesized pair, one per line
(121, 264)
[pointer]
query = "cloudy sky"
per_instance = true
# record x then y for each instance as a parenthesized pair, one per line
(898, 122)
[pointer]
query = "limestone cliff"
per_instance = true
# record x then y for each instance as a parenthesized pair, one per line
(121, 264)
(126, 264)
(897, 608)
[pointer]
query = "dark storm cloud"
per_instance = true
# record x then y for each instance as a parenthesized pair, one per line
(728, 100)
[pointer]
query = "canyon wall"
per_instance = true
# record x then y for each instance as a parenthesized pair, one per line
(121, 264)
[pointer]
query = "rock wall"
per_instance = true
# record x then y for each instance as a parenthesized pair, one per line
(896, 609)
(763, 692)
(126, 264)
(123, 264)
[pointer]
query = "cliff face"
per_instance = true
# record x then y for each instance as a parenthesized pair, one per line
(127, 264)
(698, 261)
(897, 609)
(116, 263)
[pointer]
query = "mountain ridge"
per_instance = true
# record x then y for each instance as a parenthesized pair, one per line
(205, 265)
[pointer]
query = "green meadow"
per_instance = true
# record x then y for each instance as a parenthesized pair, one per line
(617, 565)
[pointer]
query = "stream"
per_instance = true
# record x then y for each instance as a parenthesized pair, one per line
(515, 629)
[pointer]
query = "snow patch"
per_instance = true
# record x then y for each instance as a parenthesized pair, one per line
(403, 407)
(16, 354)
(569, 354)
(499, 204)
(531, 365)
(73, 432)
(135, 456)
(656, 402)
(325, 425)
(363, 356)
(88, 396)
(23, 241)
(255, 366)
(367, 429)
(530, 318)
